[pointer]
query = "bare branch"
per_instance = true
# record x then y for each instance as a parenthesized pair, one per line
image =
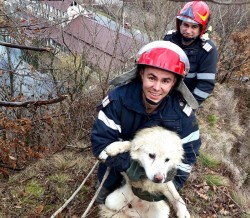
(6, 44)
(97, 192)
(76, 191)
(226, 2)
(32, 103)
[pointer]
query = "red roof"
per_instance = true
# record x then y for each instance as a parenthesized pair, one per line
(98, 43)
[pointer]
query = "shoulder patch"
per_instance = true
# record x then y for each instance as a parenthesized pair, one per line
(185, 106)
(207, 46)
(104, 103)
(170, 32)
(187, 110)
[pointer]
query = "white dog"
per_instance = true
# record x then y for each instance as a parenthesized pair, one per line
(158, 151)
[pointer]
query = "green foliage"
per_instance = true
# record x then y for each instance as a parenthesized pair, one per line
(212, 119)
(215, 180)
(34, 188)
(61, 178)
(208, 161)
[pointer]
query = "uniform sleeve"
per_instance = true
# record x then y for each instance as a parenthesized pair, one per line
(190, 137)
(206, 73)
(167, 37)
(106, 130)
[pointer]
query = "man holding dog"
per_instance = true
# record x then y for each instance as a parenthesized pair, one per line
(191, 24)
(148, 97)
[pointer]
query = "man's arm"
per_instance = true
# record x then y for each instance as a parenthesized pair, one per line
(206, 72)
(191, 143)
(106, 130)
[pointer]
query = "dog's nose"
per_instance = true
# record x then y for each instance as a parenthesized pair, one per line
(158, 178)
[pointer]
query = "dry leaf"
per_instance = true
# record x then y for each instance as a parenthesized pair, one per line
(18, 206)
(224, 212)
(39, 208)
(4, 172)
(12, 158)
(201, 195)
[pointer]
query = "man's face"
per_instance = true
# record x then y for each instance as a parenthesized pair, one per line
(156, 83)
(189, 30)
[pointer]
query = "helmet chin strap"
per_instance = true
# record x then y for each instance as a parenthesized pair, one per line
(152, 102)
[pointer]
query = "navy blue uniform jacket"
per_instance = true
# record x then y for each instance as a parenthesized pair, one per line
(122, 113)
(202, 57)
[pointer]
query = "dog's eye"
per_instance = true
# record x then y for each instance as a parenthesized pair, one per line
(167, 159)
(152, 156)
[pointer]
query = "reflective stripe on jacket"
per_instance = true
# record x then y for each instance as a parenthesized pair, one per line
(203, 65)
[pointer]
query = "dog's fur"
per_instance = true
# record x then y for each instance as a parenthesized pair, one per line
(158, 151)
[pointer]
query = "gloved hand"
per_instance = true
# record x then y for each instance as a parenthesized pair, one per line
(135, 173)
(119, 162)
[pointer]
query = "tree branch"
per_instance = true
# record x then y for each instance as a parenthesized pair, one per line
(76, 191)
(32, 103)
(6, 44)
(226, 2)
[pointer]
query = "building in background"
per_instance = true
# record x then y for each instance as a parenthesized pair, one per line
(68, 25)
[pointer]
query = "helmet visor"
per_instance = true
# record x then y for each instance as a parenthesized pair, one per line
(187, 19)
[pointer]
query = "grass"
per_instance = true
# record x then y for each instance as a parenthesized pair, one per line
(62, 163)
(242, 200)
(27, 197)
(215, 180)
(213, 163)
(34, 188)
(209, 161)
(212, 119)
(60, 178)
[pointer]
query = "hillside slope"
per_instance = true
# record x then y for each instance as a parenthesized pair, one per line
(218, 186)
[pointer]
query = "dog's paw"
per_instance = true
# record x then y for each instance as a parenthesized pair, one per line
(118, 147)
(183, 213)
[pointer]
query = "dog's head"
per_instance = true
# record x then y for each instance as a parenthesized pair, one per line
(158, 151)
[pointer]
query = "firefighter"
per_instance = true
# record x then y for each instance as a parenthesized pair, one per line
(148, 97)
(192, 36)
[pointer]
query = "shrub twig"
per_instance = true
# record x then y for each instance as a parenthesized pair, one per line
(74, 194)
(97, 192)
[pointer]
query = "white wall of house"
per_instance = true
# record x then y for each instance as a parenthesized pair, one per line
(109, 2)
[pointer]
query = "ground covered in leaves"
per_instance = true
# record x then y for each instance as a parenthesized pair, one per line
(44, 185)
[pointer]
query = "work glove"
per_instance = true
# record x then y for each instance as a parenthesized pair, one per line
(135, 173)
(120, 162)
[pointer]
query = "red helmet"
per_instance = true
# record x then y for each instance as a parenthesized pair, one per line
(194, 12)
(164, 55)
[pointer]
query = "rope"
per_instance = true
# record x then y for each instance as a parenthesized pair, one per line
(97, 192)
(78, 189)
